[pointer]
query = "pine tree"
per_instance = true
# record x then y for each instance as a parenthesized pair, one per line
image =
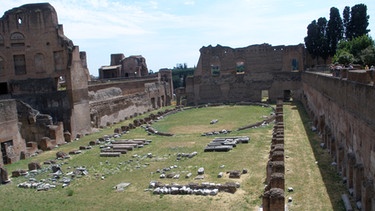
(334, 30)
(345, 21)
(358, 21)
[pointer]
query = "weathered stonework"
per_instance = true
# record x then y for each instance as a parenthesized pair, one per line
(42, 67)
(126, 95)
(225, 74)
(124, 67)
(273, 195)
(11, 141)
(342, 111)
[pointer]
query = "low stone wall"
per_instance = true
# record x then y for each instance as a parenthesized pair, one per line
(113, 110)
(273, 195)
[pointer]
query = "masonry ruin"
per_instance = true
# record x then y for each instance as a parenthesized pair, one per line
(340, 105)
(225, 74)
(46, 96)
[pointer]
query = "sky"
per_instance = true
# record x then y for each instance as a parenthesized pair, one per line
(171, 32)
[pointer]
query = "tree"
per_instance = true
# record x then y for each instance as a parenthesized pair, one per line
(316, 41)
(358, 23)
(311, 42)
(360, 43)
(367, 56)
(343, 57)
(345, 21)
(359, 50)
(323, 47)
(334, 30)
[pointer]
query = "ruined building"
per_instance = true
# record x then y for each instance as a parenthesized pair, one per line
(46, 98)
(124, 67)
(127, 90)
(45, 75)
(341, 106)
(225, 74)
(45, 95)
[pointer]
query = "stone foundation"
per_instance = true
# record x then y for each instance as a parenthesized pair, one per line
(273, 195)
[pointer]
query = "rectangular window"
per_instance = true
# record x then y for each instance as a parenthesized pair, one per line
(215, 70)
(19, 64)
(240, 68)
(294, 64)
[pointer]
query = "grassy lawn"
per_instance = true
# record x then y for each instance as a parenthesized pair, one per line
(316, 183)
(314, 188)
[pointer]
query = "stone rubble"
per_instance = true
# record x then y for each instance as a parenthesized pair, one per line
(225, 144)
(203, 189)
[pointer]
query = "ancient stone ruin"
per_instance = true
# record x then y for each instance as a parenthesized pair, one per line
(47, 98)
(273, 195)
(45, 94)
(225, 144)
(225, 74)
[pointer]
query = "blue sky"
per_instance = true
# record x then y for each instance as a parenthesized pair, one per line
(171, 32)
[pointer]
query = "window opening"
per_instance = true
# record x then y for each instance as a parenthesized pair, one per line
(240, 67)
(215, 70)
(19, 64)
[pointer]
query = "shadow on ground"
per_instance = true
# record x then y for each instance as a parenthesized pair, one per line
(331, 179)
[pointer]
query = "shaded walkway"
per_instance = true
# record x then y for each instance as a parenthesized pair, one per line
(308, 167)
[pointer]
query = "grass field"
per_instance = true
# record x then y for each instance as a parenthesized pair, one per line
(316, 186)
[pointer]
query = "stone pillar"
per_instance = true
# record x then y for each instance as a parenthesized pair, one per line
(277, 199)
(277, 156)
(368, 197)
(349, 169)
(266, 201)
(3, 176)
(278, 167)
(332, 147)
(44, 143)
(277, 181)
(339, 158)
(279, 117)
(269, 171)
(358, 176)
(67, 136)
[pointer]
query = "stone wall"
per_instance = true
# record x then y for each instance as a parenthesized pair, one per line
(34, 125)
(11, 142)
(225, 74)
(343, 112)
(273, 195)
(127, 86)
(113, 110)
(37, 60)
(114, 101)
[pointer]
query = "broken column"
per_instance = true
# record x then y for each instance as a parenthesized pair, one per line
(3, 176)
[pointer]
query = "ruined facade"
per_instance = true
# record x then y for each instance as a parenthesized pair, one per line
(44, 91)
(128, 91)
(340, 105)
(43, 69)
(124, 67)
(342, 111)
(225, 74)
(46, 77)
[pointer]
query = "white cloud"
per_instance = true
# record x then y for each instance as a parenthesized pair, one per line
(170, 32)
(189, 2)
